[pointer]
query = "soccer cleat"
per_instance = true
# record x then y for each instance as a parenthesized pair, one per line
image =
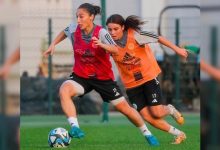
(152, 140)
(75, 132)
(179, 138)
(176, 115)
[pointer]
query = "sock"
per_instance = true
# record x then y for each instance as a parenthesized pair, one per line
(73, 121)
(144, 130)
(170, 110)
(174, 131)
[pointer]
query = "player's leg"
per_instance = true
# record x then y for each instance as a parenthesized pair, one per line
(156, 122)
(139, 102)
(179, 136)
(153, 95)
(143, 99)
(69, 89)
(161, 111)
(122, 106)
(110, 92)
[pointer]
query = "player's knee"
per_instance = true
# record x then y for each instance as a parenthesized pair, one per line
(123, 107)
(64, 91)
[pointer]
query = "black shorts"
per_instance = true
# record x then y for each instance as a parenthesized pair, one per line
(148, 94)
(108, 89)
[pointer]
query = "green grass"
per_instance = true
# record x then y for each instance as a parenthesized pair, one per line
(118, 134)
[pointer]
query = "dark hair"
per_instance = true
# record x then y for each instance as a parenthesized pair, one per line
(92, 9)
(132, 21)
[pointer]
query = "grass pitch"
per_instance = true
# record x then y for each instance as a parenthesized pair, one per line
(117, 134)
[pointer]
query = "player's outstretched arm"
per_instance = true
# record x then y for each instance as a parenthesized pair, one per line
(180, 51)
(107, 47)
(60, 37)
(13, 58)
(212, 71)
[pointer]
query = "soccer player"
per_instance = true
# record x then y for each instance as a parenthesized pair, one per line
(138, 70)
(212, 71)
(92, 70)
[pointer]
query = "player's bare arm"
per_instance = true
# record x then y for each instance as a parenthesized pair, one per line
(60, 37)
(180, 51)
(13, 58)
(212, 71)
(107, 47)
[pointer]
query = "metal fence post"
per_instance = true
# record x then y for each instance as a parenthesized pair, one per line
(50, 91)
(2, 91)
(177, 64)
(2, 59)
(105, 106)
(213, 96)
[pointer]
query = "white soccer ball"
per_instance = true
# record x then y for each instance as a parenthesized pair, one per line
(59, 138)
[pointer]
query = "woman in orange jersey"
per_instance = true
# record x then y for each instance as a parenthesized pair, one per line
(138, 70)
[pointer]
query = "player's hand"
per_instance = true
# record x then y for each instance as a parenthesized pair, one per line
(49, 51)
(183, 53)
(96, 41)
(4, 72)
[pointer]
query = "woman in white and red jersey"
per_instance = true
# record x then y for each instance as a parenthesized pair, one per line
(92, 70)
(138, 70)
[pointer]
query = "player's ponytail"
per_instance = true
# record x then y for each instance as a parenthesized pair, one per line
(133, 22)
(97, 10)
(92, 9)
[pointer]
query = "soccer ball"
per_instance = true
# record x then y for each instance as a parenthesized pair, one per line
(59, 138)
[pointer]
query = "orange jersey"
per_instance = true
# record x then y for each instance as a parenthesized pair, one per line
(136, 64)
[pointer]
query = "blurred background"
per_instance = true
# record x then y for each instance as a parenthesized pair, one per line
(210, 89)
(9, 41)
(10, 85)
